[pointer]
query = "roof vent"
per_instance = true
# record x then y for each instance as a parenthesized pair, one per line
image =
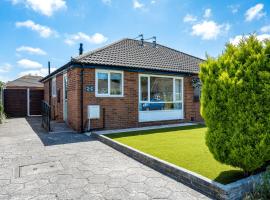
(154, 41)
(154, 38)
(81, 49)
(141, 40)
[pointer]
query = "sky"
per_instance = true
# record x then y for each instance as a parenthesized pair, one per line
(34, 32)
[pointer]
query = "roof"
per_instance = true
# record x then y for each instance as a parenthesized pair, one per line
(131, 54)
(27, 81)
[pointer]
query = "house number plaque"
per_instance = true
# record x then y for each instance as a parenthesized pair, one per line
(90, 88)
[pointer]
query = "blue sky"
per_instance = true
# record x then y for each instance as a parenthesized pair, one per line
(35, 31)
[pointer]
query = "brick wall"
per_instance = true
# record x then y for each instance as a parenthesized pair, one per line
(73, 95)
(56, 106)
(115, 112)
(46, 91)
(192, 109)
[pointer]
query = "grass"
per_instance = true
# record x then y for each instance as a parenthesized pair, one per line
(182, 146)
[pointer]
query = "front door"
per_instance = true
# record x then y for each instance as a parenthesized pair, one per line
(65, 87)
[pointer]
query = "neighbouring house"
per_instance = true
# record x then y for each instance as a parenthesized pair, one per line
(23, 96)
(129, 83)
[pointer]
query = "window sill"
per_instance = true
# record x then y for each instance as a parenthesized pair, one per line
(110, 96)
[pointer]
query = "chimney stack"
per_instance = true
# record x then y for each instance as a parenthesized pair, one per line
(81, 49)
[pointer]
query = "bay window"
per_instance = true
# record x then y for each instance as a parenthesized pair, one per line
(160, 98)
(109, 83)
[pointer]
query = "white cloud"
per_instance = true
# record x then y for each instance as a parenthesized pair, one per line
(209, 30)
(137, 4)
(265, 29)
(31, 50)
(97, 38)
(29, 64)
(207, 13)
(40, 72)
(6, 67)
(255, 12)
(107, 2)
(234, 8)
(43, 31)
(238, 38)
(44, 7)
(153, 2)
(190, 18)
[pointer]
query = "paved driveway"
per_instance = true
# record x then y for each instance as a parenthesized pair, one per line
(35, 165)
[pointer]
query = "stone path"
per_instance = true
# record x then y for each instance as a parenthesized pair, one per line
(37, 166)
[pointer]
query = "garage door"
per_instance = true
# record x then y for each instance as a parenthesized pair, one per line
(15, 102)
(36, 97)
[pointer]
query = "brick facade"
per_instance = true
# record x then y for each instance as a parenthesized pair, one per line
(56, 102)
(115, 112)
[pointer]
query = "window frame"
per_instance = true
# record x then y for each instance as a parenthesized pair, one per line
(54, 89)
(109, 83)
(149, 88)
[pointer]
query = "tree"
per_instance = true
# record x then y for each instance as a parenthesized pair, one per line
(235, 104)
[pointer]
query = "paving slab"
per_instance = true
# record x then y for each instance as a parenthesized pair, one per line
(68, 165)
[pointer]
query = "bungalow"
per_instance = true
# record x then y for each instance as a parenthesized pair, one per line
(129, 83)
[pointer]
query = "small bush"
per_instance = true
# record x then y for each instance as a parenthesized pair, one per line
(261, 192)
(235, 104)
(2, 115)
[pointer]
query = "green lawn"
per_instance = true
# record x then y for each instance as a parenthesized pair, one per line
(182, 146)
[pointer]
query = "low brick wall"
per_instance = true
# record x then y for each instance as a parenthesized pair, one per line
(232, 191)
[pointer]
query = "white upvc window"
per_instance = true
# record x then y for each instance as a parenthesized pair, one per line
(160, 97)
(54, 87)
(109, 83)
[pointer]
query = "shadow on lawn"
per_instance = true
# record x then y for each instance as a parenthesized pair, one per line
(229, 176)
(153, 131)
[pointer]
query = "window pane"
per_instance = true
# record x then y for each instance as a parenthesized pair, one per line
(144, 88)
(102, 83)
(54, 87)
(116, 83)
(65, 86)
(197, 94)
(161, 89)
(160, 106)
(178, 90)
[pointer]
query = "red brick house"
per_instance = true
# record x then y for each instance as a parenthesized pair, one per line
(129, 83)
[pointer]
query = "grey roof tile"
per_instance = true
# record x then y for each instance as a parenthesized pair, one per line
(130, 53)
(26, 81)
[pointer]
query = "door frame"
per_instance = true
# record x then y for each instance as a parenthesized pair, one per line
(65, 116)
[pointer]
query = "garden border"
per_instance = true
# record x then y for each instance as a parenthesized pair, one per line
(235, 190)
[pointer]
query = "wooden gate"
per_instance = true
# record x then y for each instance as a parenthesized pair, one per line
(36, 98)
(15, 102)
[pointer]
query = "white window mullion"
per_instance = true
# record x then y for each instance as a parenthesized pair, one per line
(149, 87)
(174, 93)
